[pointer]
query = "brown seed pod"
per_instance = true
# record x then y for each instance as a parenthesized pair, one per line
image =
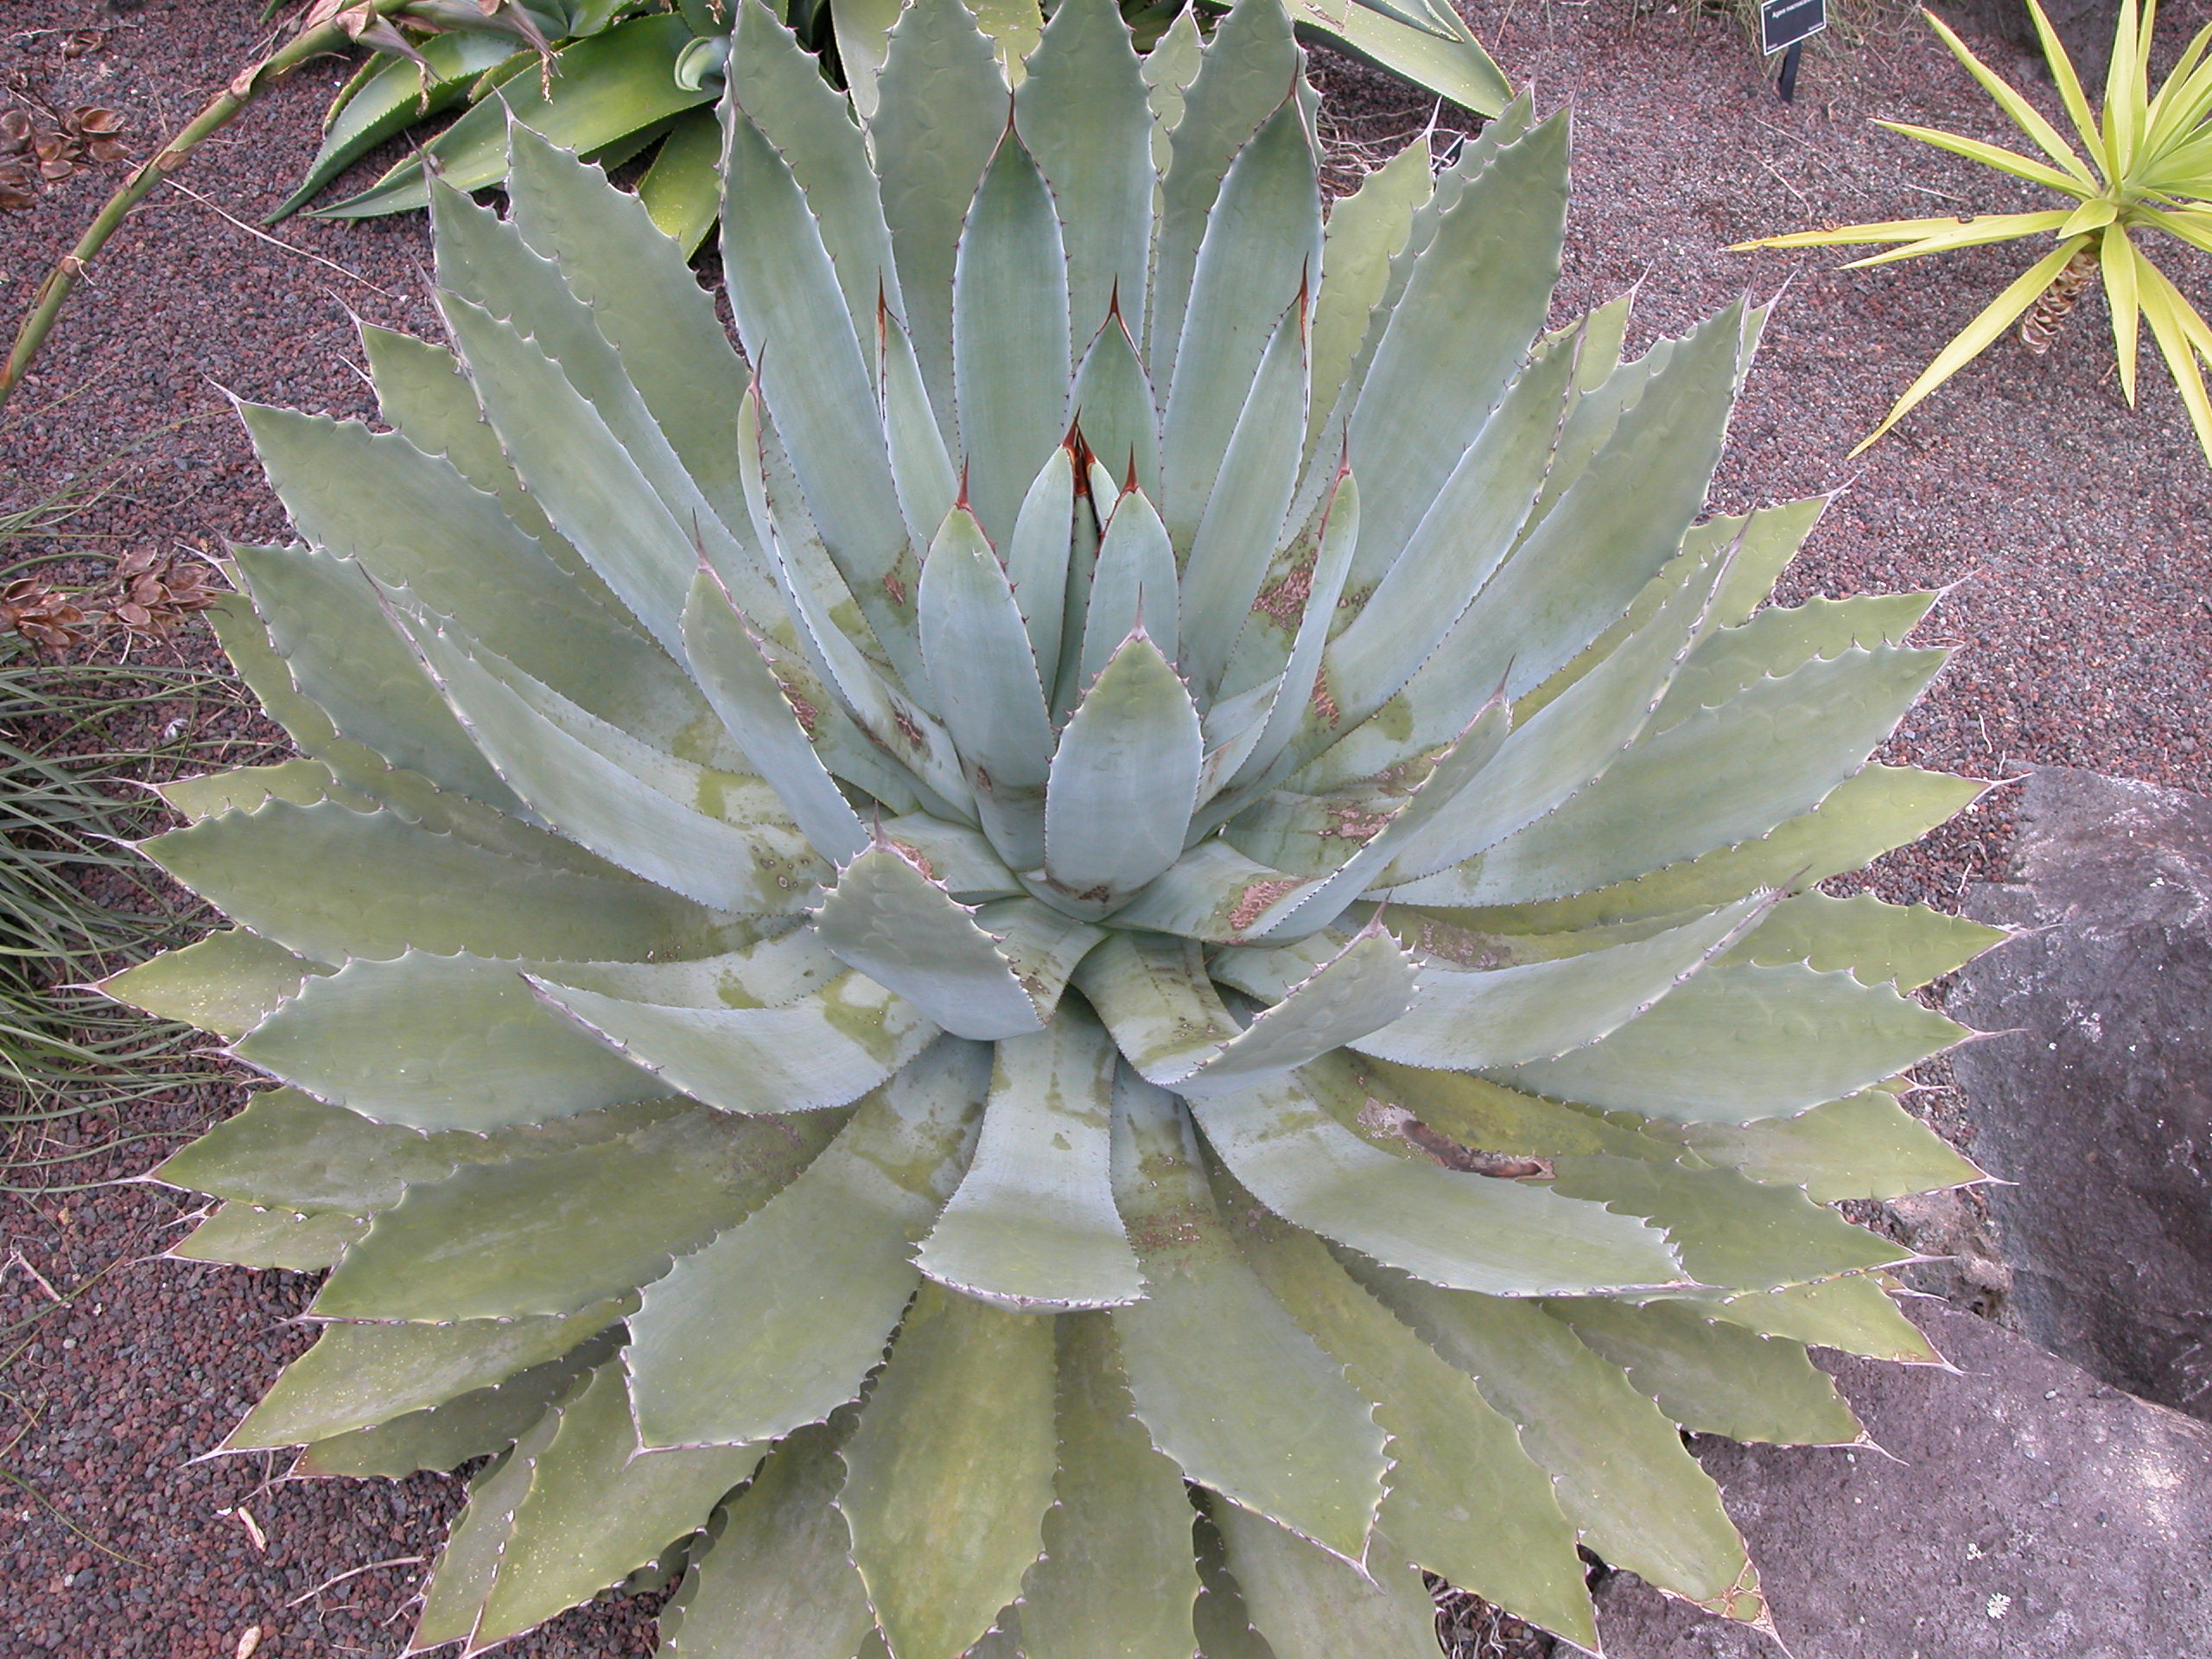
(15, 129)
(94, 118)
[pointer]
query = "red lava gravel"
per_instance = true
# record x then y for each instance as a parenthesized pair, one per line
(2073, 535)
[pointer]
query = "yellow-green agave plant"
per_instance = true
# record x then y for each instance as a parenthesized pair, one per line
(1090, 956)
(2144, 165)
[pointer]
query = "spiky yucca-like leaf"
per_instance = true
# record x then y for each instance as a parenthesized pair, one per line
(1143, 805)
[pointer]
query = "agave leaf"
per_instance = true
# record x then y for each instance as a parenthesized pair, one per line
(287, 1147)
(302, 782)
(333, 883)
(1221, 1620)
(783, 289)
(1133, 585)
(891, 922)
(604, 88)
(1261, 254)
(1729, 1231)
(1153, 991)
(1367, 1096)
(245, 1235)
(1238, 534)
(1032, 1227)
(977, 651)
(1312, 1604)
(1361, 989)
(1037, 560)
(1434, 378)
(778, 1321)
(1010, 335)
(1453, 549)
(598, 1507)
(436, 1042)
(1242, 78)
(1464, 1500)
(1442, 56)
(921, 466)
(825, 1050)
(391, 97)
(470, 1561)
(1124, 780)
(553, 1235)
(943, 108)
(1765, 756)
(1854, 1315)
(226, 983)
(326, 622)
(1467, 1231)
(1875, 809)
(776, 1580)
(953, 854)
(599, 488)
(1116, 1574)
(951, 1473)
(1227, 1384)
(1906, 945)
(1464, 1021)
(641, 289)
(1169, 69)
(863, 33)
(423, 392)
(1867, 1145)
(1780, 641)
(1713, 1378)
(358, 1375)
(413, 522)
(1081, 110)
(729, 658)
(1365, 231)
(716, 837)
(782, 88)
(1732, 1046)
(1617, 1466)
(442, 1437)
(1114, 406)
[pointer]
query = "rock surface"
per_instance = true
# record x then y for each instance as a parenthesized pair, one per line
(2032, 1513)
(2097, 1102)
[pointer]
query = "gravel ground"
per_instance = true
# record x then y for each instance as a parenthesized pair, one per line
(2072, 533)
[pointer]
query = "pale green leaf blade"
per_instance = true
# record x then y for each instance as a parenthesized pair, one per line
(357, 1375)
(951, 1473)
(1363, 988)
(1906, 945)
(441, 1043)
(1227, 1384)
(727, 657)
(888, 920)
(1467, 1231)
(1464, 1500)
(1115, 409)
(1260, 252)
(1009, 335)
(1153, 991)
(1132, 584)
(1508, 1016)
(778, 1321)
(1117, 1575)
(681, 191)
(1781, 639)
(1854, 1315)
(826, 1050)
(1124, 780)
(1617, 1464)
(1713, 1378)
(1365, 232)
(921, 466)
(245, 1235)
(1309, 1604)
(557, 1234)
(776, 1580)
(470, 1561)
(1081, 110)
(942, 107)
(1037, 559)
(1452, 66)
(1032, 1227)
(1867, 1146)
(287, 1147)
(226, 983)
(598, 1507)
(1741, 1042)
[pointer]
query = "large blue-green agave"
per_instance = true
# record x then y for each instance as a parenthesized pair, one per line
(1143, 806)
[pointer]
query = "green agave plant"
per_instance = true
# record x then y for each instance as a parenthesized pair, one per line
(612, 79)
(1142, 805)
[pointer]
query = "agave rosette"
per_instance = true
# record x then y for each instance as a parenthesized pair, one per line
(1143, 805)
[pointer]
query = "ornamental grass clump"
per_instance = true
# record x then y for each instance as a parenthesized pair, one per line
(1114, 942)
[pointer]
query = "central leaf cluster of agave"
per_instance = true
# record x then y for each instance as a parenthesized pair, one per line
(1143, 805)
